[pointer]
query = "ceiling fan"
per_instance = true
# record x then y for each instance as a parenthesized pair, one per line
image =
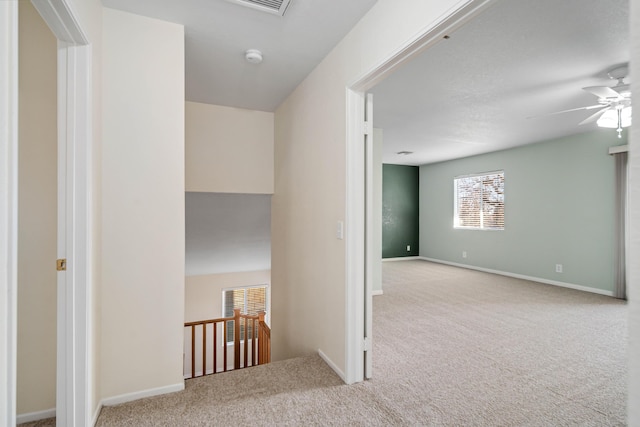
(614, 103)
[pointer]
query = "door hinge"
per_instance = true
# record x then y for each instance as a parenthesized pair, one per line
(61, 264)
(367, 128)
(366, 344)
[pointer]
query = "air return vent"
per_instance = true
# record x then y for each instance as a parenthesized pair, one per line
(277, 7)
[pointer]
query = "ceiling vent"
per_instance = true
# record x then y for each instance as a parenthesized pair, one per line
(276, 7)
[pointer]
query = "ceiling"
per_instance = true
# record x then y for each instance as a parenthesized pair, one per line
(470, 94)
(473, 93)
(476, 91)
(218, 32)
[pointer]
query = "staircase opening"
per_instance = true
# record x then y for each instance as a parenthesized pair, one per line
(228, 282)
(245, 341)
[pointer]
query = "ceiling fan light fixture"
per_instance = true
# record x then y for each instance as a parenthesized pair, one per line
(616, 118)
(609, 119)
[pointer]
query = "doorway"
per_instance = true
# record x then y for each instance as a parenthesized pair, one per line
(360, 244)
(37, 217)
(73, 383)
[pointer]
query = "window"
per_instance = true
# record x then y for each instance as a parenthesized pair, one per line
(479, 201)
(250, 300)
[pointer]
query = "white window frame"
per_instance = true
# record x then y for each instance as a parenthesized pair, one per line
(456, 220)
(267, 304)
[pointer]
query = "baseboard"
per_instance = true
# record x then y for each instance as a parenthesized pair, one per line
(374, 293)
(402, 258)
(96, 414)
(522, 276)
(35, 416)
(332, 365)
(123, 398)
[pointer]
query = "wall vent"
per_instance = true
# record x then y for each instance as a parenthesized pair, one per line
(276, 7)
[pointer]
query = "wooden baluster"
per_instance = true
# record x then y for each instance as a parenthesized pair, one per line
(193, 351)
(236, 338)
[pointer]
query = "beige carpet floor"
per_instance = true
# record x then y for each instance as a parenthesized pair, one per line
(452, 347)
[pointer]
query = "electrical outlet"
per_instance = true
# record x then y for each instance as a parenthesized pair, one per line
(558, 268)
(408, 248)
(464, 254)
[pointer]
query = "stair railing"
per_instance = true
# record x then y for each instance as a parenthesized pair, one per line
(251, 341)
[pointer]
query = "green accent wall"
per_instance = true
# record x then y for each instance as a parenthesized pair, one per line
(400, 210)
(559, 209)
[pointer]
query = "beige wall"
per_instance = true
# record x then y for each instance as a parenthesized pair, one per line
(37, 213)
(143, 229)
(228, 150)
(203, 300)
(308, 262)
(203, 294)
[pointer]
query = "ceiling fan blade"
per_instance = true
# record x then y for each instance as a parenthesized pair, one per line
(590, 107)
(592, 118)
(602, 91)
(623, 90)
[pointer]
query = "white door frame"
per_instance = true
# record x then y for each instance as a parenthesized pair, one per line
(357, 246)
(74, 202)
(8, 208)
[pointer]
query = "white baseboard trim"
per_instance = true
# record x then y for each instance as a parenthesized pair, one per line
(522, 276)
(96, 414)
(35, 416)
(123, 398)
(374, 293)
(402, 258)
(332, 365)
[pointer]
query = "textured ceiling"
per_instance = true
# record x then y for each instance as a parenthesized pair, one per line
(217, 33)
(474, 92)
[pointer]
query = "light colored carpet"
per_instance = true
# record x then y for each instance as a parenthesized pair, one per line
(451, 347)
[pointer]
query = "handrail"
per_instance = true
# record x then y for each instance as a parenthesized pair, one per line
(246, 329)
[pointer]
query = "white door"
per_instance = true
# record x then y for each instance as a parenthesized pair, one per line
(369, 260)
(74, 213)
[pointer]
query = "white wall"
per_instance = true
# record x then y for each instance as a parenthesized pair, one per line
(308, 262)
(228, 150)
(634, 221)
(37, 213)
(143, 227)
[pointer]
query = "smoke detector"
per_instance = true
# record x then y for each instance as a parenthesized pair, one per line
(253, 55)
(276, 7)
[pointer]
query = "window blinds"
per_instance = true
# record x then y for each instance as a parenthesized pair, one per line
(479, 201)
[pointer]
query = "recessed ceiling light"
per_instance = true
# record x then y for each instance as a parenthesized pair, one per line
(404, 153)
